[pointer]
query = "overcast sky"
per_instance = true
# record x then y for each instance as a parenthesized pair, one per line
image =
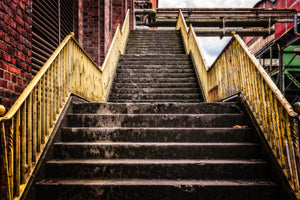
(211, 46)
(206, 3)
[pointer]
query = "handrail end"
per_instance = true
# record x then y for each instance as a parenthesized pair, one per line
(2, 110)
(296, 107)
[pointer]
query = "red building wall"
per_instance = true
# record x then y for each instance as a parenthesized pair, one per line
(15, 49)
(282, 27)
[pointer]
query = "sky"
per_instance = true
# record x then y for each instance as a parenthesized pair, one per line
(211, 46)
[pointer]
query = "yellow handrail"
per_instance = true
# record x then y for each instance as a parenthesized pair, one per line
(29, 123)
(236, 71)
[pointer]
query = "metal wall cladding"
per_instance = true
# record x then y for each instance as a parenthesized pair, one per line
(52, 21)
(282, 28)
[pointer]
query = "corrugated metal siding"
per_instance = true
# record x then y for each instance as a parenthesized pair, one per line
(46, 30)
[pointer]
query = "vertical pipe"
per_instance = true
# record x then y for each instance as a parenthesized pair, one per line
(280, 69)
(271, 59)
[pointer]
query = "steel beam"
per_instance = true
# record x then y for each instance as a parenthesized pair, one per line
(228, 32)
(214, 22)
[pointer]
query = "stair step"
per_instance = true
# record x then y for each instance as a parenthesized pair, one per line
(154, 96)
(183, 100)
(118, 134)
(126, 150)
(89, 189)
(155, 71)
(126, 57)
(154, 67)
(157, 75)
(155, 62)
(159, 108)
(154, 90)
(155, 169)
(164, 45)
(156, 120)
(156, 80)
(155, 52)
(157, 56)
(156, 85)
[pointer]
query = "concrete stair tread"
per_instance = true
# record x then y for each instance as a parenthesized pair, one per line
(140, 182)
(159, 144)
(156, 161)
(156, 107)
(159, 114)
(155, 128)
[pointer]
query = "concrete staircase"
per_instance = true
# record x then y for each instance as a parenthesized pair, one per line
(155, 69)
(159, 141)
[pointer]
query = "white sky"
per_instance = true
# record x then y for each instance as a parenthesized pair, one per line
(207, 3)
(211, 46)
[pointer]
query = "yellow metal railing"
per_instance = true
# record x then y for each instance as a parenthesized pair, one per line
(236, 71)
(27, 126)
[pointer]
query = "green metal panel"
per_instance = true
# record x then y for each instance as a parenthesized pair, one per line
(289, 58)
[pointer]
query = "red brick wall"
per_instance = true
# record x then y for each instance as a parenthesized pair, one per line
(15, 49)
(78, 20)
(91, 30)
(108, 31)
(15, 55)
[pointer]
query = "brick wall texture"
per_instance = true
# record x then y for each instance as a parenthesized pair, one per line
(95, 22)
(15, 49)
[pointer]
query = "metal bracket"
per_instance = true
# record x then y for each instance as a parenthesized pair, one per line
(296, 25)
(224, 30)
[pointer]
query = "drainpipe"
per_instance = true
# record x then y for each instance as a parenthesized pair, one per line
(280, 74)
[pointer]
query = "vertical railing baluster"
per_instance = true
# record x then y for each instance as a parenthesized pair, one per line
(53, 112)
(259, 98)
(264, 124)
(40, 111)
(291, 154)
(56, 86)
(275, 130)
(44, 129)
(34, 125)
(48, 104)
(5, 161)
(10, 153)
(268, 117)
(17, 163)
(23, 143)
(29, 133)
(295, 150)
(285, 166)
